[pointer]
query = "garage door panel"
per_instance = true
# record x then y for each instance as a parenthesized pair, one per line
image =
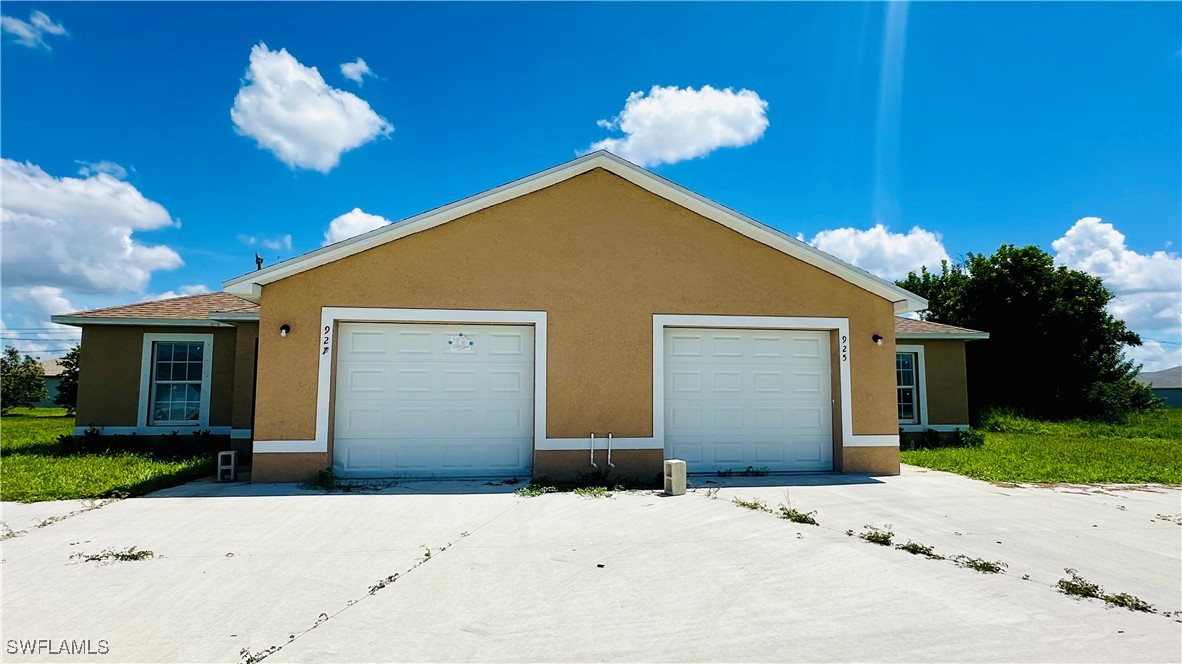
(433, 400)
(724, 452)
(737, 398)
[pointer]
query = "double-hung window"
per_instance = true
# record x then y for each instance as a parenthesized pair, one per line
(176, 380)
(907, 381)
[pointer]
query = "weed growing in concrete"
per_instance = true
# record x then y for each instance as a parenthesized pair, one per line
(756, 504)
(249, 657)
(1130, 602)
(980, 564)
(796, 516)
(1077, 586)
(123, 555)
(383, 583)
(712, 492)
(917, 549)
(326, 480)
(881, 536)
(6, 532)
(849, 532)
(595, 485)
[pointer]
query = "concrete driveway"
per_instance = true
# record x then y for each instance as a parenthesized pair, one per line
(634, 577)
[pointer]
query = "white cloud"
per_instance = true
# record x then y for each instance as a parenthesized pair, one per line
(34, 334)
(1148, 287)
(78, 233)
(95, 167)
(288, 109)
(274, 243)
(192, 289)
(32, 33)
(41, 301)
(351, 224)
(672, 124)
(356, 71)
(881, 252)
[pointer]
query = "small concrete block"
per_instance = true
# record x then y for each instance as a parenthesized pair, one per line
(675, 477)
(228, 466)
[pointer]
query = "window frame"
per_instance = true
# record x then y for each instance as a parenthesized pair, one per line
(147, 380)
(921, 398)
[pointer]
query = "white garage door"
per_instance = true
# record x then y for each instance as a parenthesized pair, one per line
(433, 400)
(738, 398)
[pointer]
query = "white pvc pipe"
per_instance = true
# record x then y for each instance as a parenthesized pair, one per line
(593, 465)
(609, 451)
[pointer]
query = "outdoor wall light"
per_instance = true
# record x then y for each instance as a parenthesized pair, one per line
(877, 339)
(284, 329)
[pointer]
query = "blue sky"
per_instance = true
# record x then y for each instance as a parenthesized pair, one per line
(977, 123)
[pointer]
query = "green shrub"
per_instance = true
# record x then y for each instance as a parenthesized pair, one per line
(1115, 401)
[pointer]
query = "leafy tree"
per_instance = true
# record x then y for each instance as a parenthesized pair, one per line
(67, 389)
(1054, 350)
(22, 381)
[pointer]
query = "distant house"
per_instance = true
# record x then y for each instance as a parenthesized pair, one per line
(53, 377)
(1166, 384)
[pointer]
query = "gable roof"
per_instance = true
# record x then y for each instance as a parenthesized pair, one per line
(250, 285)
(204, 309)
(51, 368)
(1165, 379)
(912, 328)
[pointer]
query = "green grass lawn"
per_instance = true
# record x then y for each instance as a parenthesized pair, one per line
(1147, 449)
(33, 467)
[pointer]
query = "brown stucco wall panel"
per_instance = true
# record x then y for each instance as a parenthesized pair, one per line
(109, 376)
(244, 355)
(600, 256)
(641, 466)
(286, 466)
(882, 460)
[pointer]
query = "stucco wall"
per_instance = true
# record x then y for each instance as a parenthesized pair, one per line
(947, 380)
(601, 256)
(244, 353)
(109, 373)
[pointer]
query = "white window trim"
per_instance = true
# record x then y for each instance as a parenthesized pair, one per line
(839, 325)
(150, 338)
(921, 385)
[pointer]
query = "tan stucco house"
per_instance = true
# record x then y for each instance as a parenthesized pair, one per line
(594, 317)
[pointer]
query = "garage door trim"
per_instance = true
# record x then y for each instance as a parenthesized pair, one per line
(330, 316)
(839, 325)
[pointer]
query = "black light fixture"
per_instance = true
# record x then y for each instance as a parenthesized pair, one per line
(284, 329)
(877, 339)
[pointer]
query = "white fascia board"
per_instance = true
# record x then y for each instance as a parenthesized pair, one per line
(965, 336)
(249, 286)
(138, 322)
(236, 316)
